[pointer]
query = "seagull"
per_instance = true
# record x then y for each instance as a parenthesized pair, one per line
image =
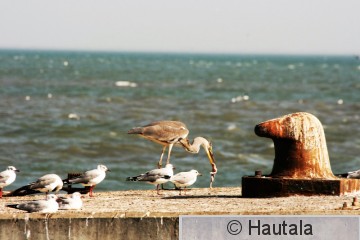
(43, 206)
(45, 184)
(169, 133)
(185, 179)
(73, 202)
(354, 174)
(7, 177)
(91, 178)
(155, 176)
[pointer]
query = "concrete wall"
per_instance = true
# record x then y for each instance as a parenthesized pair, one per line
(89, 228)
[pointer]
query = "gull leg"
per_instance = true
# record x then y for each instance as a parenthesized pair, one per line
(1, 193)
(91, 191)
(158, 189)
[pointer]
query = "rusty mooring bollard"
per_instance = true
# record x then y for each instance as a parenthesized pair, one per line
(300, 146)
(301, 164)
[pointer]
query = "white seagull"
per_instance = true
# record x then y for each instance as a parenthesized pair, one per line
(73, 202)
(7, 177)
(155, 176)
(45, 184)
(185, 179)
(354, 174)
(91, 178)
(43, 206)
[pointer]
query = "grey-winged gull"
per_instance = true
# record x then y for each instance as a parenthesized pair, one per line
(45, 184)
(43, 206)
(73, 202)
(185, 179)
(354, 174)
(91, 178)
(155, 176)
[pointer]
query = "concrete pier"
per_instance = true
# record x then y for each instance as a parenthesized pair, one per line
(142, 214)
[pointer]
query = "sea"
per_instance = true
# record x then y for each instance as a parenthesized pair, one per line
(63, 112)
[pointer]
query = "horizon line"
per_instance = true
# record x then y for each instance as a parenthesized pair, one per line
(158, 52)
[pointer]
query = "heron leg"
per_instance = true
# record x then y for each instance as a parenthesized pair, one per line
(169, 152)
(161, 156)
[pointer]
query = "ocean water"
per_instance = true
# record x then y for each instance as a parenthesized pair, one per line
(69, 111)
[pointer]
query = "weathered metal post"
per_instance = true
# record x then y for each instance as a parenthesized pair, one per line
(301, 164)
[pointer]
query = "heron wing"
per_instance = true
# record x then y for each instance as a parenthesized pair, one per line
(165, 131)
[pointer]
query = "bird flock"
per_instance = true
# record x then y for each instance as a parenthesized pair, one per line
(166, 133)
(52, 183)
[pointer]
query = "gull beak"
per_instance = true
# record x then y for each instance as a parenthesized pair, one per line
(108, 170)
(17, 170)
(199, 174)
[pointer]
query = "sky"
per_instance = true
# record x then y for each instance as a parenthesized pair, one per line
(203, 26)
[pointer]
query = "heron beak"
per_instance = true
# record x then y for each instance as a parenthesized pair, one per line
(213, 165)
(211, 159)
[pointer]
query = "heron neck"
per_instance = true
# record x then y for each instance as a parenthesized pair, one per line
(194, 147)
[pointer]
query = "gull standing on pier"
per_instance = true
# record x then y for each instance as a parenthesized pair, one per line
(73, 202)
(7, 177)
(185, 179)
(91, 178)
(169, 133)
(47, 183)
(155, 176)
(43, 206)
(354, 174)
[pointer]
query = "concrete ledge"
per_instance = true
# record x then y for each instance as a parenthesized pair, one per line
(89, 228)
(142, 214)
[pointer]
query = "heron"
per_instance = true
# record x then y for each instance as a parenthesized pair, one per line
(170, 133)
